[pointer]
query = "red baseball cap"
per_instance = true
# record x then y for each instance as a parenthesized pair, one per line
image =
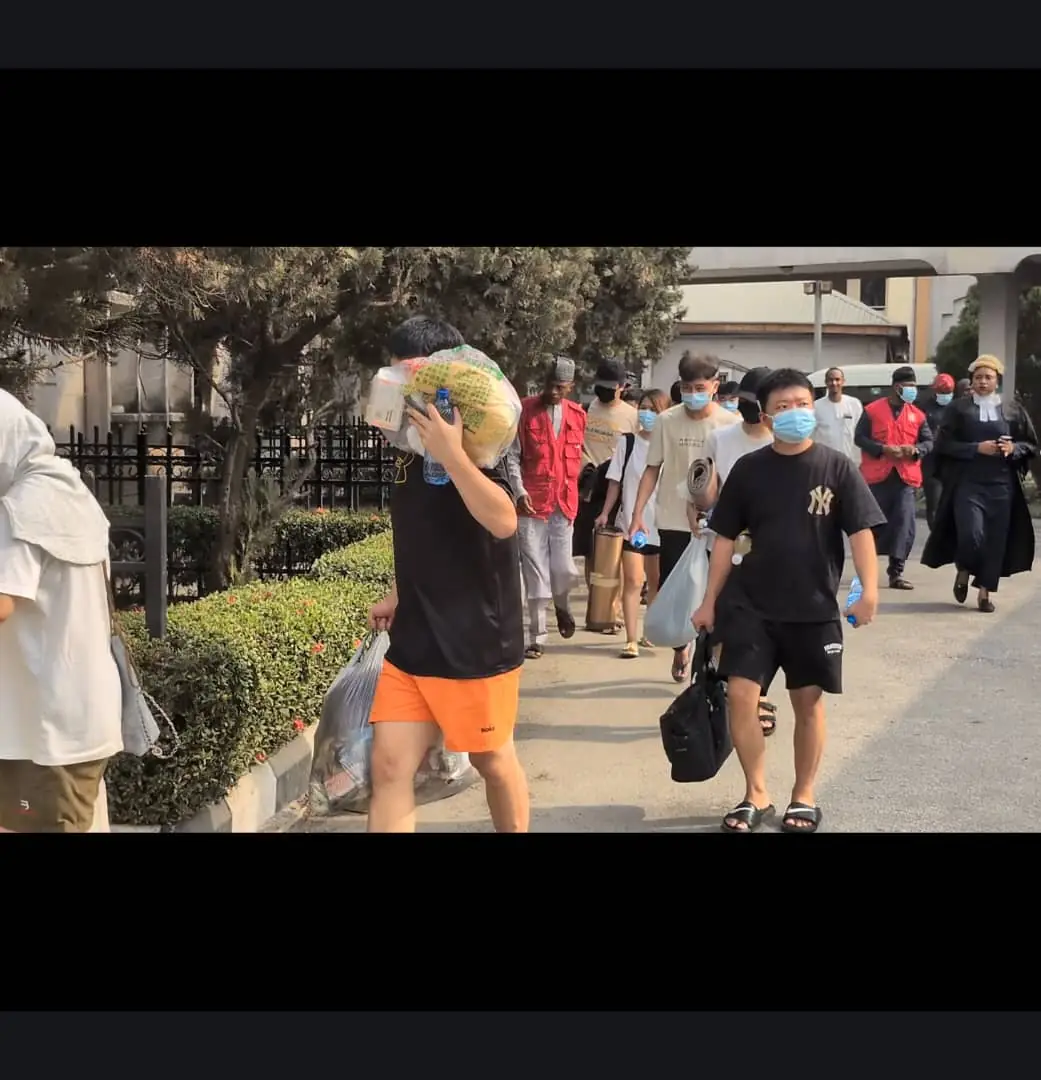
(944, 384)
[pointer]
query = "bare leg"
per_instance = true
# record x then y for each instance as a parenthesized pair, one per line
(651, 569)
(398, 751)
(743, 705)
(808, 706)
(632, 581)
(506, 788)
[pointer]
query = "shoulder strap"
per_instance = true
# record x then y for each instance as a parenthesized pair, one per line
(630, 443)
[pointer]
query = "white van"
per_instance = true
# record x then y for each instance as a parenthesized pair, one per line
(870, 381)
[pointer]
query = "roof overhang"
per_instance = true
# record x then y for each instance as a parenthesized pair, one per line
(685, 329)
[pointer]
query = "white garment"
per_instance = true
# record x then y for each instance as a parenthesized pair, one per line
(837, 424)
(989, 406)
(547, 568)
(630, 484)
(60, 698)
(727, 445)
(48, 503)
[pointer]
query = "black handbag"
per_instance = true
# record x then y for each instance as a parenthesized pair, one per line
(695, 730)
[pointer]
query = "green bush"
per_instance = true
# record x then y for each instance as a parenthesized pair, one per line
(301, 537)
(240, 674)
(369, 562)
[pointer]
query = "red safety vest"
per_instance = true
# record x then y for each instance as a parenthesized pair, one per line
(890, 430)
(551, 463)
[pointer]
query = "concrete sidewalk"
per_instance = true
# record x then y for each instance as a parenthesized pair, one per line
(937, 730)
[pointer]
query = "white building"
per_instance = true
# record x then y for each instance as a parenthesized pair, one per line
(770, 324)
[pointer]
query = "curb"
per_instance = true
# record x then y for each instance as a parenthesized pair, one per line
(264, 791)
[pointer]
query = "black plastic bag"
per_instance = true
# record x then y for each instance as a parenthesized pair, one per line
(695, 730)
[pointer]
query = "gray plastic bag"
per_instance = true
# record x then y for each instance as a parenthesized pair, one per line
(667, 621)
(340, 770)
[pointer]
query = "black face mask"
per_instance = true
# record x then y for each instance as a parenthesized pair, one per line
(750, 411)
(605, 393)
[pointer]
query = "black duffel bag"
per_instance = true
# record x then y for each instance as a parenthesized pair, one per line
(694, 729)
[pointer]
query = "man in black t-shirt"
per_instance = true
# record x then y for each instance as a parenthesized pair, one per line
(454, 616)
(795, 498)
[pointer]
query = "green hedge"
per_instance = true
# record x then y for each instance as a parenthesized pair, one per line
(240, 673)
(369, 562)
(301, 536)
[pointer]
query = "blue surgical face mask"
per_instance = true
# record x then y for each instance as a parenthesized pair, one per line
(730, 406)
(794, 425)
(944, 399)
(697, 402)
(909, 394)
(648, 418)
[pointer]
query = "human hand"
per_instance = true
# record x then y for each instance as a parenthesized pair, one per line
(1006, 446)
(864, 610)
(441, 440)
(989, 447)
(525, 505)
(381, 615)
(892, 452)
(704, 618)
(601, 522)
(636, 526)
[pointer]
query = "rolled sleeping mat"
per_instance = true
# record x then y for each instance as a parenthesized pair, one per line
(703, 483)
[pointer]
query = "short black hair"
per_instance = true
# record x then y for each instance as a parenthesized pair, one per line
(693, 368)
(782, 379)
(904, 374)
(676, 392)
(611, 372)
(729, 389)
(422, 336)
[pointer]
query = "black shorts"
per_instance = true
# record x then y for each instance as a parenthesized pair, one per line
(647, 549)
(585, 524)
(809, 654)
(673, 545)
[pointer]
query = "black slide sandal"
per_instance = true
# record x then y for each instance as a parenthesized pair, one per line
(801, 811)
(748, 814)
(565, 623)
(533, 652)
(767, 717)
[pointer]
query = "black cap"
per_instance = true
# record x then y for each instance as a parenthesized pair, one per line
(904, 374)
(611, 373)
(753, 379)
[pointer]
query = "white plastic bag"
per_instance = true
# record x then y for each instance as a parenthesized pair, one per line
(340, 769)
(667, 621)
(488, 404)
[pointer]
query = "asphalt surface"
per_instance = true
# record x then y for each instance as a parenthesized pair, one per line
(937, 730)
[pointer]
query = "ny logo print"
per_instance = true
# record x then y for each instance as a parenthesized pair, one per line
(820, 501)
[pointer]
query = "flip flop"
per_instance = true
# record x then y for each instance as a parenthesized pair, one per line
(565, 623)
(748, 814)
(533, 652)
(802, 812)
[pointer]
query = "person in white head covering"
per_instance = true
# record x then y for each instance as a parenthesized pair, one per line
(983, 524)
(60, 697)
(544, 465)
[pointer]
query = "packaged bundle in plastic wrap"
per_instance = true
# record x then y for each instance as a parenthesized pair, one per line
(340, 771)
(488, 405)
(702, 487)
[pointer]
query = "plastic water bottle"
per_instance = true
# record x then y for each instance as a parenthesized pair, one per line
(856, 591)
(639, 539)
(434, 472)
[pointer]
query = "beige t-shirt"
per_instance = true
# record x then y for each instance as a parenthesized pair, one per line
(604, 425)
(676, 441)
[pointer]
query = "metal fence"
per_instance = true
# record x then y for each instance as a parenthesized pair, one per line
(353, 467)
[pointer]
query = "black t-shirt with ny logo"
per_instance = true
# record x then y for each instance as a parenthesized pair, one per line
(796, 508)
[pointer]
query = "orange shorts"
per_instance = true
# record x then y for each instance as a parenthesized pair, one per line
(474, 715)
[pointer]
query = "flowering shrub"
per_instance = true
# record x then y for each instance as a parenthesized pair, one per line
(240, 674)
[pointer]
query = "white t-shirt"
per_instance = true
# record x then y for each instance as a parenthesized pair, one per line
(726, 445)
(630, 483)
(837, 424)
(60, 697)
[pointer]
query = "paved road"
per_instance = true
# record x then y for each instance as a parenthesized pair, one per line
(937, 731)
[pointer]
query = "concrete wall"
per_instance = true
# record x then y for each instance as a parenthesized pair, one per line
(947, 301)
(771, 264)
(739, 353)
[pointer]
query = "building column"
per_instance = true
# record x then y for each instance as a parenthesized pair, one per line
(999, 323)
